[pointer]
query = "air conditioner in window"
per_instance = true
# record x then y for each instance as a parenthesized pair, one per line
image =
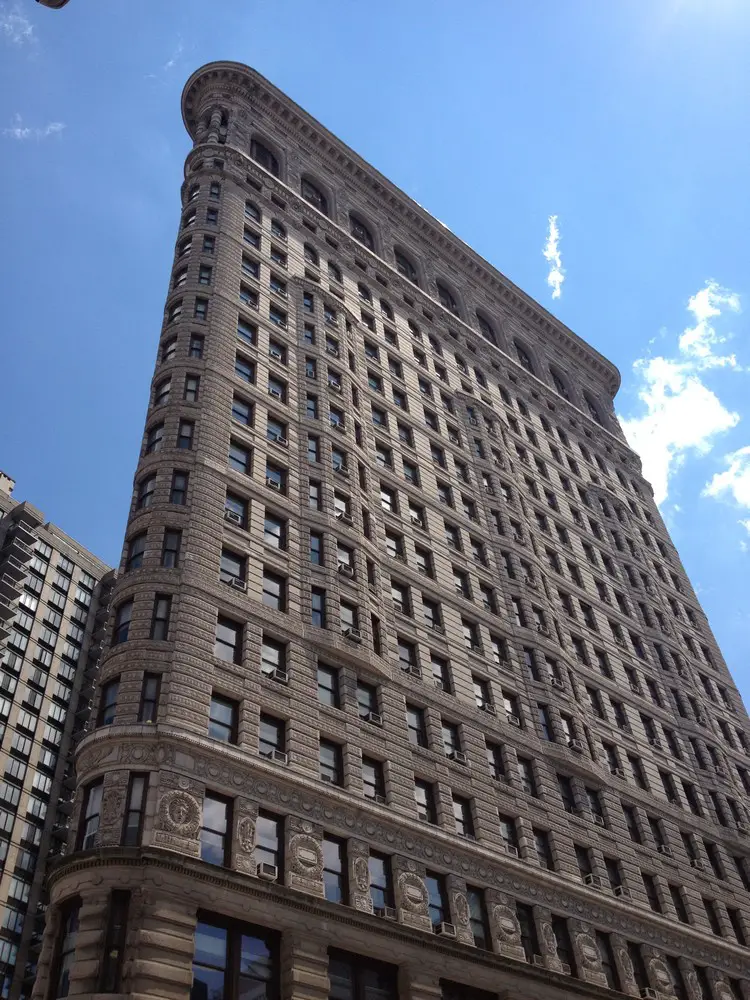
(375, 718)
(279, 675)
(346, 569)
(477, 647)
(617, 772)
(233, 516)
(621, 891)
(380, 799)
(649, 994)
(414, 670)
(238, 583)
(654, 742)
(334, 386)
(697, 864)
(538, 960)
(436, 627)
(342, 516)
(272, 483)
(352, 634)
(531, 582)
(458, 756)
(269, 873)
(542, 629)
(598, 820)
(339, 427)
(276, 393)
(447, 930)
(511, 851)
(281, 441)
(387, 912)
(556, 681)
(665, 850)
(593, 880)
(512, 719)
(488, 707)
(575, 745)
(341, 470)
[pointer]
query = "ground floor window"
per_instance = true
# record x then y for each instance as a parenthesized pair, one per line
(234, 961)
(353, 977)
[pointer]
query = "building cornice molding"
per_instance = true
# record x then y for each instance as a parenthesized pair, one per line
(245, 82)
(200, 760)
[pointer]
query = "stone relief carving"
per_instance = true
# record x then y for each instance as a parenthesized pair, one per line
(179, 813)
(245, 834)
(413, 892)
(361, 874)
(307, 855)
(460, 908)
(302, 806)
(506, 924)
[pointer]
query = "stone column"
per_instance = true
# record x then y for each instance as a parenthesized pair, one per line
(160, 945)
(412, 904)
(213, 126)
(504, 924)
(52, 929)
(657, 971)
(459, 909)
(304, 853)
(92, 925)
(624, 965)
(587, 953)
(547, 939)
(358, 856)
(416, 984)
(304, 967)
(113, 808)
(243, 839)
(179, 813)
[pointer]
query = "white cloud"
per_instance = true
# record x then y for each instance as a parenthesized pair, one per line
(682, 414)
(15, 27)
(734, 482)
(172, 61)
(22, 132)
(551, 252)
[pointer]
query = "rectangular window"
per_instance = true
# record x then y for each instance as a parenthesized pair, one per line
(170, 552)
(234, 960)
(136, 807)
(381, 882)
(92, 802)
(331, 763)
(185, 433)
(178, 490)
(108, 702)
(228, 645)
(222, 719)
(160, 616)
(66, 948)
(149, 704)
(354, 977)
(334, 869)
(424, 795)
(269, 833)
(437, 899)
(215, 835)
(271, 736)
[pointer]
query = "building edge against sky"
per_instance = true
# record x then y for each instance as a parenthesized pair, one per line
(53, 600)
(406, 691)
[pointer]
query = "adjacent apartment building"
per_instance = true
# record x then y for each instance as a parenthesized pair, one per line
(406, 692)
(53, 598)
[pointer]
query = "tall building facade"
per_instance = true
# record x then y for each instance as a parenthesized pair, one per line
(53, 600)
(406, 693)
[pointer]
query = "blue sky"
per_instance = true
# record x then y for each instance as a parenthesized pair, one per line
(628, 120)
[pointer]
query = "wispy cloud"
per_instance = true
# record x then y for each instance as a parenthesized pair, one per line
(682, 414)
(551, 252)
(21, 132)
(15, 27)
(170, 64)
(734, 482)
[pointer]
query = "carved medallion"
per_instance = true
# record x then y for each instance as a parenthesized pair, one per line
(413, 892)
(179, 813)
(307, 855)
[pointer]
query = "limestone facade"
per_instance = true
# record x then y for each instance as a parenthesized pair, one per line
(406, 688)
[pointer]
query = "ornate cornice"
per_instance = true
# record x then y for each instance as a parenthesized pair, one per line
(236, 79)
(293, 795)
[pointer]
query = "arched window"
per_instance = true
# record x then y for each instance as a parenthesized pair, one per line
(314, 195)
(485, 328)
(364, 293)
(559, 384)
(361, 233)
(263, 155)
(311, 255)
(523, 357)
(446, 298)
(593, 409)
(404, 266)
